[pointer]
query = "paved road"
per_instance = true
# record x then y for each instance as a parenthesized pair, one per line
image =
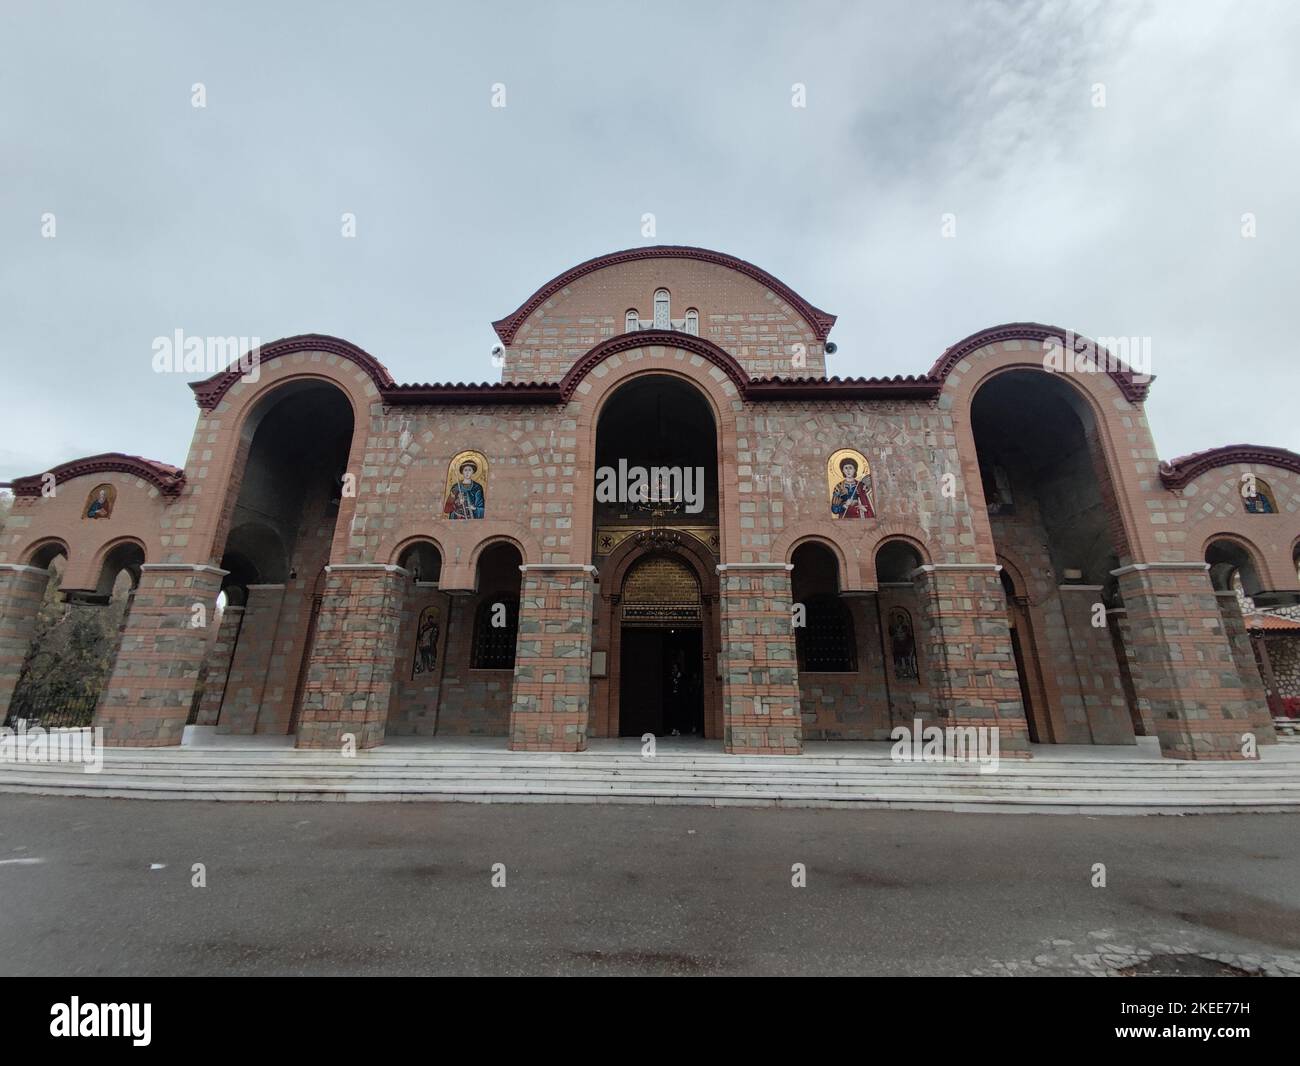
(300, 888)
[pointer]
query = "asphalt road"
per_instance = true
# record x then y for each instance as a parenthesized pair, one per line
(103, 887)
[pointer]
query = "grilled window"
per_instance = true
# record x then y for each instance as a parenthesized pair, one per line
(824, 644)
(494, 645)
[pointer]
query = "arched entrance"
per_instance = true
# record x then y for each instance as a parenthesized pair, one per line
(1053, 508)
(661, 669)
(656, 541)
(279, 525)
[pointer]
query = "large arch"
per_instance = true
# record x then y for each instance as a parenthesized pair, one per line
(287, 492)
(1051, 504)
(593, 395)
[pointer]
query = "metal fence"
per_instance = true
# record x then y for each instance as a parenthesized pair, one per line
(69, 712)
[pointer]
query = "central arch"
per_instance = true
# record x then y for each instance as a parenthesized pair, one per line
(656, 541)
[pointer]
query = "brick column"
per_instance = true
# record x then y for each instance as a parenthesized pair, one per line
(1234, 628)
(350, 674)
(219, 658)
(21, 591)
(1094, 666)
(151, 689)
(967, 645)
(251, 662)
(760, 683)
(1184, 673)
(552, 686)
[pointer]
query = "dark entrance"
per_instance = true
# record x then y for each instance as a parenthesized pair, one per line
(662, 682)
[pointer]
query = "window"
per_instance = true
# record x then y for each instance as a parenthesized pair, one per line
(662, 318)
(633, 322)
(825, 644)
(494, 645)
(693, 322)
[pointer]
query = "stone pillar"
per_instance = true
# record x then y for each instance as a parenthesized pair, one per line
(251, 662)
(966, 640)
(1095, 667)
(760, 682)
(219, 658)
(350, 674)
(1234, 628)
(151, 689)
(1184, 673)
(21, 591)
(552, 685)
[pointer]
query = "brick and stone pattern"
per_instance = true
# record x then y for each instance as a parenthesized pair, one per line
(552, 680)
(760, 684)
(220, 654)
(350, 675)
(21, 590)
(1185, 675)
(1243, 655)
(1088, 661)
(251, 665)
(471, 702)
(966, 640)
(149, 695)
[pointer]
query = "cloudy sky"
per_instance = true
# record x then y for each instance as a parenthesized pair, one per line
(1122, 220)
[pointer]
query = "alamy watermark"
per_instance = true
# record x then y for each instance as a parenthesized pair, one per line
(922, 743)
(1073, 354)
(656, 485)
(83, 746)
(179, 354)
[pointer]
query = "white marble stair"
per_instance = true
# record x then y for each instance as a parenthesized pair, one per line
(1118, 781)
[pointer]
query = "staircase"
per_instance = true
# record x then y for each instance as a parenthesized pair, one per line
(1073, 781)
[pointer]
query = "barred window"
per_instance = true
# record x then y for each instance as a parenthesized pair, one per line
(632, 322)
(825, 644)
(693, 322)
(494, 645)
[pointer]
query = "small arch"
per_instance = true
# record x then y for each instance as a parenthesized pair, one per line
(123, 556)
(1230, 557)
(631, 321)
(43, 553)
(421, 558)
(487, 544)
(836, 550)
(896, 560)
(692, 322)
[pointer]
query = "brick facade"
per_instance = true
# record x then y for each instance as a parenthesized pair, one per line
(147, 699)
(552, 683)
(321, 656)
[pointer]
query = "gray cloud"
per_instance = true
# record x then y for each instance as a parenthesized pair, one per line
(1116, 221)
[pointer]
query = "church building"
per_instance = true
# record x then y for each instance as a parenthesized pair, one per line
(667, 517)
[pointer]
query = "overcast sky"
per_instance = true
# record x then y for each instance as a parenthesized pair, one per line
(1123, 220)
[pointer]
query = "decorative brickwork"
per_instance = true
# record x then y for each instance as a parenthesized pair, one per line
(1175, 666)
(1234, 628)
(760, 686)
(350, 675)
(21, 589)
(1185, 673)
(149, 695)
(966, 639)
(552, 686)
